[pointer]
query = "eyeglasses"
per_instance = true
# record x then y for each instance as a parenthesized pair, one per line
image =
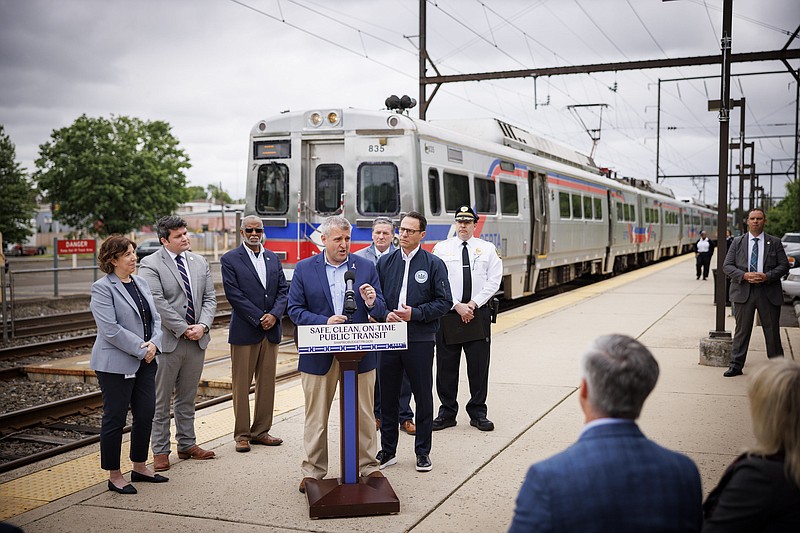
(409, 231)
(251, 230)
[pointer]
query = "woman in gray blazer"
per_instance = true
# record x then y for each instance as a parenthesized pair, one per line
(123, 358)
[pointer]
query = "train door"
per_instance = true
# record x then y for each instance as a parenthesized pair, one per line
(540, 226)
(321, 188)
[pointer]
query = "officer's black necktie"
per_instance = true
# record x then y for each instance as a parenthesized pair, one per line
(466, 294)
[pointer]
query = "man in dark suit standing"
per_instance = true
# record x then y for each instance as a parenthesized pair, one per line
(183, 291)
(415, 286)
(755, 264)
(257, 291)
(613, 478)
(382, 236)
(316, 296)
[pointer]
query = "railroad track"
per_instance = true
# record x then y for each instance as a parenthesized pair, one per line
(76, 323)
(48, 417)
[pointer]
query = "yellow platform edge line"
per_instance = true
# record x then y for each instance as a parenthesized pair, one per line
(44, 486)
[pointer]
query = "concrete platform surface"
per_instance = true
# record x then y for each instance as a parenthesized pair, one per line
(476, 476)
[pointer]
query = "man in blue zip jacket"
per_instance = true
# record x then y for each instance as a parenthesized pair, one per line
(416, 290)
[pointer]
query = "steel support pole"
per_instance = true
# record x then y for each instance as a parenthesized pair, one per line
(722, 206)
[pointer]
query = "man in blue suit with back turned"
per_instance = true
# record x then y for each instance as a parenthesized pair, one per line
(613, 478)
(316, 296)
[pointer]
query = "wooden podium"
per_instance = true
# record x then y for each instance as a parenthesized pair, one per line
(350, 495)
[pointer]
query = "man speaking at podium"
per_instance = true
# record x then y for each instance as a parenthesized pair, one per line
(319, 294)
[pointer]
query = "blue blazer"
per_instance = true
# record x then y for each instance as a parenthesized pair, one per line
(249, 299)
(612, 479)
(427, 291)
(310, 304)
(118, 347)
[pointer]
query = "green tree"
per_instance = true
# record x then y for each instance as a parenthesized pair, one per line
(112, 175)
(218, 195)
(785, 217)
(195, 192)
(17, 194)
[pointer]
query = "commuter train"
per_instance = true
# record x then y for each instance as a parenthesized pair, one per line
(551, 212)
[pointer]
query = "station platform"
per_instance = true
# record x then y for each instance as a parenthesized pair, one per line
(533, 402)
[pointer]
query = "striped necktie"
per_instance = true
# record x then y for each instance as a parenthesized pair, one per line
(754, 256)
(190, 303)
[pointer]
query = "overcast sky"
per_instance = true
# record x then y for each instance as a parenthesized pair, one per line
(213, 68)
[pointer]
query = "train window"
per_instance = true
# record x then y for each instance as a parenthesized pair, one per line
(577, 208)
(509, 204)
(563, 205)
(598, 209)
(272, 189)
(620, 216)
(329, 188)
(433, 192)
(378, 189)
(655, 216)
(628, 212)
(485, 196)
(587, 207)
(456, 191)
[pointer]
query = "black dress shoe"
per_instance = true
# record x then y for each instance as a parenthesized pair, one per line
(127, 489)
(483, 424)
(424, 463)
(440, 423)
(158, 478)
(731, 372)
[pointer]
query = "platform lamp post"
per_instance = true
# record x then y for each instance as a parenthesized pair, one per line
(715, 350)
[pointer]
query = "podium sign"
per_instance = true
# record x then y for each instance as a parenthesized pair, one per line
(351, 495)
(332, 338)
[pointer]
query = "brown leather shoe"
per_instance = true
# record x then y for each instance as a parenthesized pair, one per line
(303, 484)
(161, 462)
(196, 452)
(242, 446)
(409, 427)
(376, 473)
(377, 424)
(266, 439)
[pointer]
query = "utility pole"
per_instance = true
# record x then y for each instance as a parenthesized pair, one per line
(722, 206)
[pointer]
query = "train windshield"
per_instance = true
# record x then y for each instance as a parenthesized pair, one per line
(272, 189)
(378, 189)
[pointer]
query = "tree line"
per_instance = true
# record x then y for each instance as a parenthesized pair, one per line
(100, 176)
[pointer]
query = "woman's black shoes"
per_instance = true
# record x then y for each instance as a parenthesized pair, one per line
(158, 478)
(127, 489)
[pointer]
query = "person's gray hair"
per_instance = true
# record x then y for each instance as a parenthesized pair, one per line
(251, 218)
(382, 220)
(620, 373)
(338, 222)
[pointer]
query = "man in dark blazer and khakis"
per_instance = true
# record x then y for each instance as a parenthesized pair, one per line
(257, 291)
(755, 264)
(183, 291)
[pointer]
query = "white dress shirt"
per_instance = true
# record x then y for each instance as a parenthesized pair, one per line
(258, 264)
(761, 243)
(485, 265)
(403, 288)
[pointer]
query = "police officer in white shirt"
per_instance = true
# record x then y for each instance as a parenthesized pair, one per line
(704, 249)
(475, 270)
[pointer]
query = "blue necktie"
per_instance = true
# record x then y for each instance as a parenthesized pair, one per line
(190, 303)
(754, 256)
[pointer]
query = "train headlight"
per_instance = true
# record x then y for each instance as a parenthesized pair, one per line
(333, 118)
(315, 119)
(393, 121)
(262, 126)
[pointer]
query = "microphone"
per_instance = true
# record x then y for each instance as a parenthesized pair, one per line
(349, 293)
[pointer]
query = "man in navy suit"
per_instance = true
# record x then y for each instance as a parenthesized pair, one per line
(382, 236)
(755, 264)
(316, 296)
(613, 478)
(417, 291)
(257, 291)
